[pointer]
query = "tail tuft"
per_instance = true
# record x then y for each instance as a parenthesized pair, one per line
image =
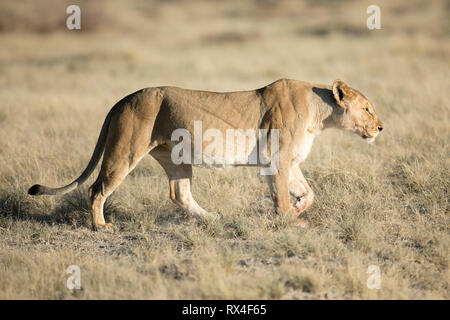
(36, 190)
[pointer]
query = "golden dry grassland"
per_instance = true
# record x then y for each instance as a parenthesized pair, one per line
(384, 204)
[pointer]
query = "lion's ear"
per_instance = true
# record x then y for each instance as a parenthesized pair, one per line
(340, 90)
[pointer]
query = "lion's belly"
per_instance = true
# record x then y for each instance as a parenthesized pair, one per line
(217, 159)
(211, 161)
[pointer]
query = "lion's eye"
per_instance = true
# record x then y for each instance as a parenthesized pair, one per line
(367, 110)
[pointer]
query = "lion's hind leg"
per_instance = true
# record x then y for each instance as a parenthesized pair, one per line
(111, 175)
(123, 151)
(180, 180)
(98, 193)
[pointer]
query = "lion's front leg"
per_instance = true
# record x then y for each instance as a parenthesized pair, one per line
(280, 187)
(279, 191)
(300, 189)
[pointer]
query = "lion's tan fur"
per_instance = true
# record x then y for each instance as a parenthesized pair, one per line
(144, 121)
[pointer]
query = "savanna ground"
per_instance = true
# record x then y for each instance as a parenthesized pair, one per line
(384, 204)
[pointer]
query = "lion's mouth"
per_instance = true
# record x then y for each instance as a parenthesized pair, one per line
(368, 138)
(364, 133)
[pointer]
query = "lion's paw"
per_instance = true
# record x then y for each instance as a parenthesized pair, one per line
(300, 205)
(107, 227)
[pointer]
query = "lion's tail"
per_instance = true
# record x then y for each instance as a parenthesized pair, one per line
(38, 189)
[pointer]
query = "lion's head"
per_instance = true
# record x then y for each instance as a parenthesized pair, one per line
(358, 114)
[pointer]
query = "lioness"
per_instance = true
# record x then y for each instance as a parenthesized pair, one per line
(143, 122)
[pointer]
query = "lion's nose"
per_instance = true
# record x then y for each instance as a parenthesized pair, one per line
(380, 128)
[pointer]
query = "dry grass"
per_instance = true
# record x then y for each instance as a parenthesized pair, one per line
(385, 204)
